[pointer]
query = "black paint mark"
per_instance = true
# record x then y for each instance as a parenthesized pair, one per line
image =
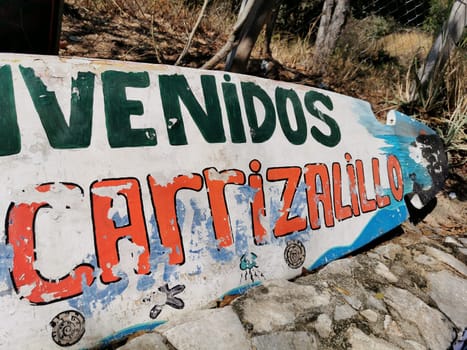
(155, 311)
(171, 299)
(431, 148)
(294, 254)
(67, 328)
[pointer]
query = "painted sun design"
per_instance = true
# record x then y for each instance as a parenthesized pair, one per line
(68, 328)
(294, 254)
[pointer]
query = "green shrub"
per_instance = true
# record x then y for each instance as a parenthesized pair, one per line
(438, 14)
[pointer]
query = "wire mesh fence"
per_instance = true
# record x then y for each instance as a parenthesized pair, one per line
(407, 13)
(403, 29)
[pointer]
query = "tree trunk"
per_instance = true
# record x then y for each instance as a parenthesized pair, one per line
(259, 14)
(232, 41)
(333, 18)
(430, 73)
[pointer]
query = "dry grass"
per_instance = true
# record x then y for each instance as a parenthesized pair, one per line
(454, 134)
(455, 112)
(295, 52)
(292, 51)
(406, 46)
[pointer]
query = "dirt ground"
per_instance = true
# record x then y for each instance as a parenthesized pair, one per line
(87, 32)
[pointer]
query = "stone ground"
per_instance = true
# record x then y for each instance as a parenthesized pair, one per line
(408, 292)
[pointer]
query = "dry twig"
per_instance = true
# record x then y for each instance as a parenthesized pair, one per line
(192, 34)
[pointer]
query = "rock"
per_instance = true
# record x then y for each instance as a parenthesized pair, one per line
(376, 303)
(425, 260)
(392, 328)
(361, 341)
(370, 315)
(205, 329)
(383, 271)
(341, 267)
(413, 345)
(344, 312)
(433, 327)
(373, 256)
(448, 260)
(450, 294)
(388, 251)
(285, 340)
(353, 301)
(453, 241)
(323, 325)
(267, 316)
(277, 303)
(148, 341)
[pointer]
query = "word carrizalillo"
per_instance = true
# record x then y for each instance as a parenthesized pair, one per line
(323, 188)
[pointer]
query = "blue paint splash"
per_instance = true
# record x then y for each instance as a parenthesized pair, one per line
(120, 221)
(197, 271)
(241, 290)
(145, 283)
(298, 208)
(124, 333)
(6, 264)
(221, 255)
(99, 295)
(246, 194)
(181, 212)
(199, 216)
(384, 221)
(241, 238)
(159, 254)
(398, 139)
(94, 297)
(300, 204)
(202, 222)
(200, 229)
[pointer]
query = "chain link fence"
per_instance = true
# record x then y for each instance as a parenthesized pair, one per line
(400, 29)
(411, 13)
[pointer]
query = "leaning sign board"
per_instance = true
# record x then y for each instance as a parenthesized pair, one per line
(133, 192)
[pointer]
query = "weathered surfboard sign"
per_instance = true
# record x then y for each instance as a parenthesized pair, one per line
(133, 192)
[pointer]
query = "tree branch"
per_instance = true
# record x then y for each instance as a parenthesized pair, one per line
(233, 38)
(192, 34)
